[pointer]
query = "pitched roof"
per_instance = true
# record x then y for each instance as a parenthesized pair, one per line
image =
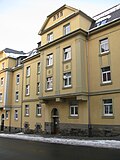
(14, 53)
(106, 17)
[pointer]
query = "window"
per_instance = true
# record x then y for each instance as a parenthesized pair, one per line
(106, 75)
(61, 13)
(0, 97)
(49, 59)
(2, 81)
(17, 96)
(38, 67)
(50, 37)
(28, 71)
(38, 109)
(38, 87)
(108, 109)
(27, 89)
(49, 83)
(16, 115)
(74, 110)
(104, 46)
(6, 114)
(67, 53)
(67, 79)
(26, 110)
(66, 29)
(54, 17)
(3, 65)
(17, 79)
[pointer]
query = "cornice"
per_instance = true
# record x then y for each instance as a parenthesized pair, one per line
(63, 38)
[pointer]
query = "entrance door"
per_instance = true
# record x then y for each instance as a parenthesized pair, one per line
(2, 122)
(55, 121)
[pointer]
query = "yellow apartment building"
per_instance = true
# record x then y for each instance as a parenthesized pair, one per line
(70, 84)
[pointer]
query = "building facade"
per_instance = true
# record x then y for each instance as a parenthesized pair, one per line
(70, 86)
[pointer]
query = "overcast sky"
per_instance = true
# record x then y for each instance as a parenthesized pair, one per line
(20, 20)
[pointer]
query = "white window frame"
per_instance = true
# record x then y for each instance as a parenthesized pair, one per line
(16, 96)
(17, 78)
(38, 110)
(1, 96)
(2, 81)
(49, 83)
(67, 79)
(27, 91)
(50, 37)
(74, 107)
(66, 29)
(106, 74)
(16, 114)
(27, 110)
(38, 87)
(50, 60)
(67, 53)
(28, 71)
(107, 107)
(38, 67)
(104, 46)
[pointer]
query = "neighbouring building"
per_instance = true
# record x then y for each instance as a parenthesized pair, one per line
(70, 84)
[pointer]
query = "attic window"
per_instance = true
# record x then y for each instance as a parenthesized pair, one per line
(54, 17)
(103, 20)
(58, 15)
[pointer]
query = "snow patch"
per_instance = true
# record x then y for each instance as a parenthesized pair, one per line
(77, 142)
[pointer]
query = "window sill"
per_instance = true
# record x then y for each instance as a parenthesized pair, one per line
(16, 119)
(104, 53)
(38, 116)
(107, 83)
(26, 115)
(108, 117)
(74, 117)
(50, 66)
(48, 90)
(67, 60)
(67, 87)
(28, 76)
(27, 95)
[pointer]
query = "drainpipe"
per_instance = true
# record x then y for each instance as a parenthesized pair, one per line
(22, 96)
(88, 82)
(7, 84)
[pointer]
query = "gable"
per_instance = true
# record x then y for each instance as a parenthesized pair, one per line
(57, 16)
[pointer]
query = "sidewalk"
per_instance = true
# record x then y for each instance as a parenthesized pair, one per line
(92, 142)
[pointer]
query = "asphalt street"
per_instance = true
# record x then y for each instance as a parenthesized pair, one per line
(12, 149)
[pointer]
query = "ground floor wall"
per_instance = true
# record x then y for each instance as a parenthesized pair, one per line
(33, 122)
(58, 118)
(105, 114)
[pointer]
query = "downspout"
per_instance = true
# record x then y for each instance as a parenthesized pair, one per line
(22, 96)
(6, 97)
(88, 82)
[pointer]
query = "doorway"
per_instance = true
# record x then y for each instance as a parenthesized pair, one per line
(2, 122)
(55, 121)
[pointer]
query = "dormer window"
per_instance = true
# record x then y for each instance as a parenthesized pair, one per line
(103, 20)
